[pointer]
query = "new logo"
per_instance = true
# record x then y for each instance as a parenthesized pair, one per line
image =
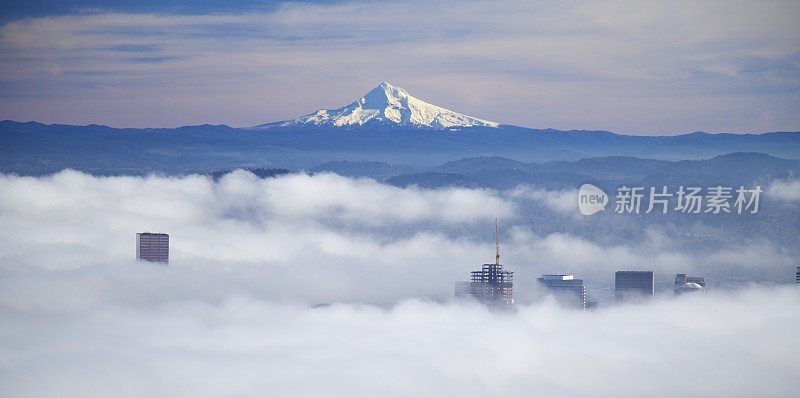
(591, 199)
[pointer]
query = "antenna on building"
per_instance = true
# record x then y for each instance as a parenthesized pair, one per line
(497, 242)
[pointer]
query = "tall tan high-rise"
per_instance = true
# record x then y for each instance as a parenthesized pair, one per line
(152, 247)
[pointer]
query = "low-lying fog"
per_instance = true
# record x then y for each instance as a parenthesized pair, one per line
(320, 285)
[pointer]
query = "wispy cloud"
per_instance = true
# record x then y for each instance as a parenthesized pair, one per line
(784, 190)
(659, 68)
(561, 201)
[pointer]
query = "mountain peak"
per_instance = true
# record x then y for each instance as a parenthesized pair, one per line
(387, 105)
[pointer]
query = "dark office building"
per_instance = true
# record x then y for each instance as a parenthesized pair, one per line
(568, 291)
(797, 276)
(152, 247)
(633, 285)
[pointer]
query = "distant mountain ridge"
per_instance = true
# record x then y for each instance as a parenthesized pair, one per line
(386, 105)
(746, 168)
(33, 148)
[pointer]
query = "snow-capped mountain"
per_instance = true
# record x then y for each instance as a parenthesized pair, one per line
(386, 105)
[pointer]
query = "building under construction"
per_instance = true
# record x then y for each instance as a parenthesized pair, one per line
(491, 285)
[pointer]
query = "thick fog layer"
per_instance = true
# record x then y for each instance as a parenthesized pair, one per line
(304, 285)
(740, 344)
(316, 239)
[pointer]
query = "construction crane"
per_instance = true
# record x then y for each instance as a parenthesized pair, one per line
(497, 242)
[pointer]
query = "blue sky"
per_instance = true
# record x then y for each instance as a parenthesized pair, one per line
(38, 8)
(634, 67)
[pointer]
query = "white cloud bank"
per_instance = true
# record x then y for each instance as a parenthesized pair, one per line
(231, 314)
(321, 238)
(243, 195)
(737, 345)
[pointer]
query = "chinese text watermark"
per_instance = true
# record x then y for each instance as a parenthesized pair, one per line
(686, 199)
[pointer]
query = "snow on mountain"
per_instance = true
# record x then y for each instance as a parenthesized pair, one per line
(386, 105)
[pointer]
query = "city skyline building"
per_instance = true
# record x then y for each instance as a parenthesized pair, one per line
(492, 285)
(463, 291)
(152, 247)
(567, 291)
(632, 286)
(688, 284)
